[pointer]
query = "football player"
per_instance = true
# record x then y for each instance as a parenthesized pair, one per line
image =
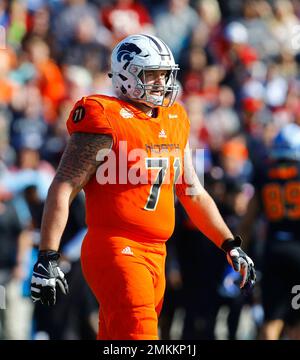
(139, 139)
(278, 196)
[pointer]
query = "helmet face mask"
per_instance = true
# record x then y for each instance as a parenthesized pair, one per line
(132, 58)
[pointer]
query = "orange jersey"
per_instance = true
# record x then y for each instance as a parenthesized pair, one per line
(137, 199)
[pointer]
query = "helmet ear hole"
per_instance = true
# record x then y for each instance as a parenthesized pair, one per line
(124, 78)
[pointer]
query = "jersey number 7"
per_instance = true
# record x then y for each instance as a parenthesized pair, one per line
(162, 165)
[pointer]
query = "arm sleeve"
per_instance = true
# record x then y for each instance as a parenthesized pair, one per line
(88, 116)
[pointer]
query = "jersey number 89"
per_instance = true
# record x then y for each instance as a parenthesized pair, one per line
(282, 201)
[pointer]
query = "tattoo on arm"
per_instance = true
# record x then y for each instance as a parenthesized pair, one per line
(78, 162)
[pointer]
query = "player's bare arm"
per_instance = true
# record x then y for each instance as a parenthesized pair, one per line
(78, 162)
(77, 166)
(200, 206)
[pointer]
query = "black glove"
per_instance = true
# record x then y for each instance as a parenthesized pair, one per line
(46, 274)
(240, 262)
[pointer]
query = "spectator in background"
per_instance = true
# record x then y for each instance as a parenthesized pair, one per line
(7, 153)
(49, 77)
(209, 13)
(4, 18)
(234, 160)
(15, 319)
(283, 24)
(174, 24)
(7, 86)
(18, 23)
(40, 25)
(66, 22)
(29, 170)
(55, 142)
(255, 16)
(28, 127)
(199, 134)
(232, 50)
(222, 121)
(195, 62)
(126, 17)
(84, 49)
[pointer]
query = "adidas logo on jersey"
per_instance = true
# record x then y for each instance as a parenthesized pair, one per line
(173, 116)
(162, 134)
(126, 114)
(127, 251)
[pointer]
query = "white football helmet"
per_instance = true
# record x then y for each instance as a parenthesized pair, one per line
(129, 61)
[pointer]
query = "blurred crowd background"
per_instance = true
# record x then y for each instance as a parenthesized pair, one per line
(240, 84)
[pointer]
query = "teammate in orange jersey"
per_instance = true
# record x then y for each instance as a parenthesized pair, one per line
(127, 153)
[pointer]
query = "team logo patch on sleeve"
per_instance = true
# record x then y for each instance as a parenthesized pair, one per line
(126, 114)
(78, 114)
